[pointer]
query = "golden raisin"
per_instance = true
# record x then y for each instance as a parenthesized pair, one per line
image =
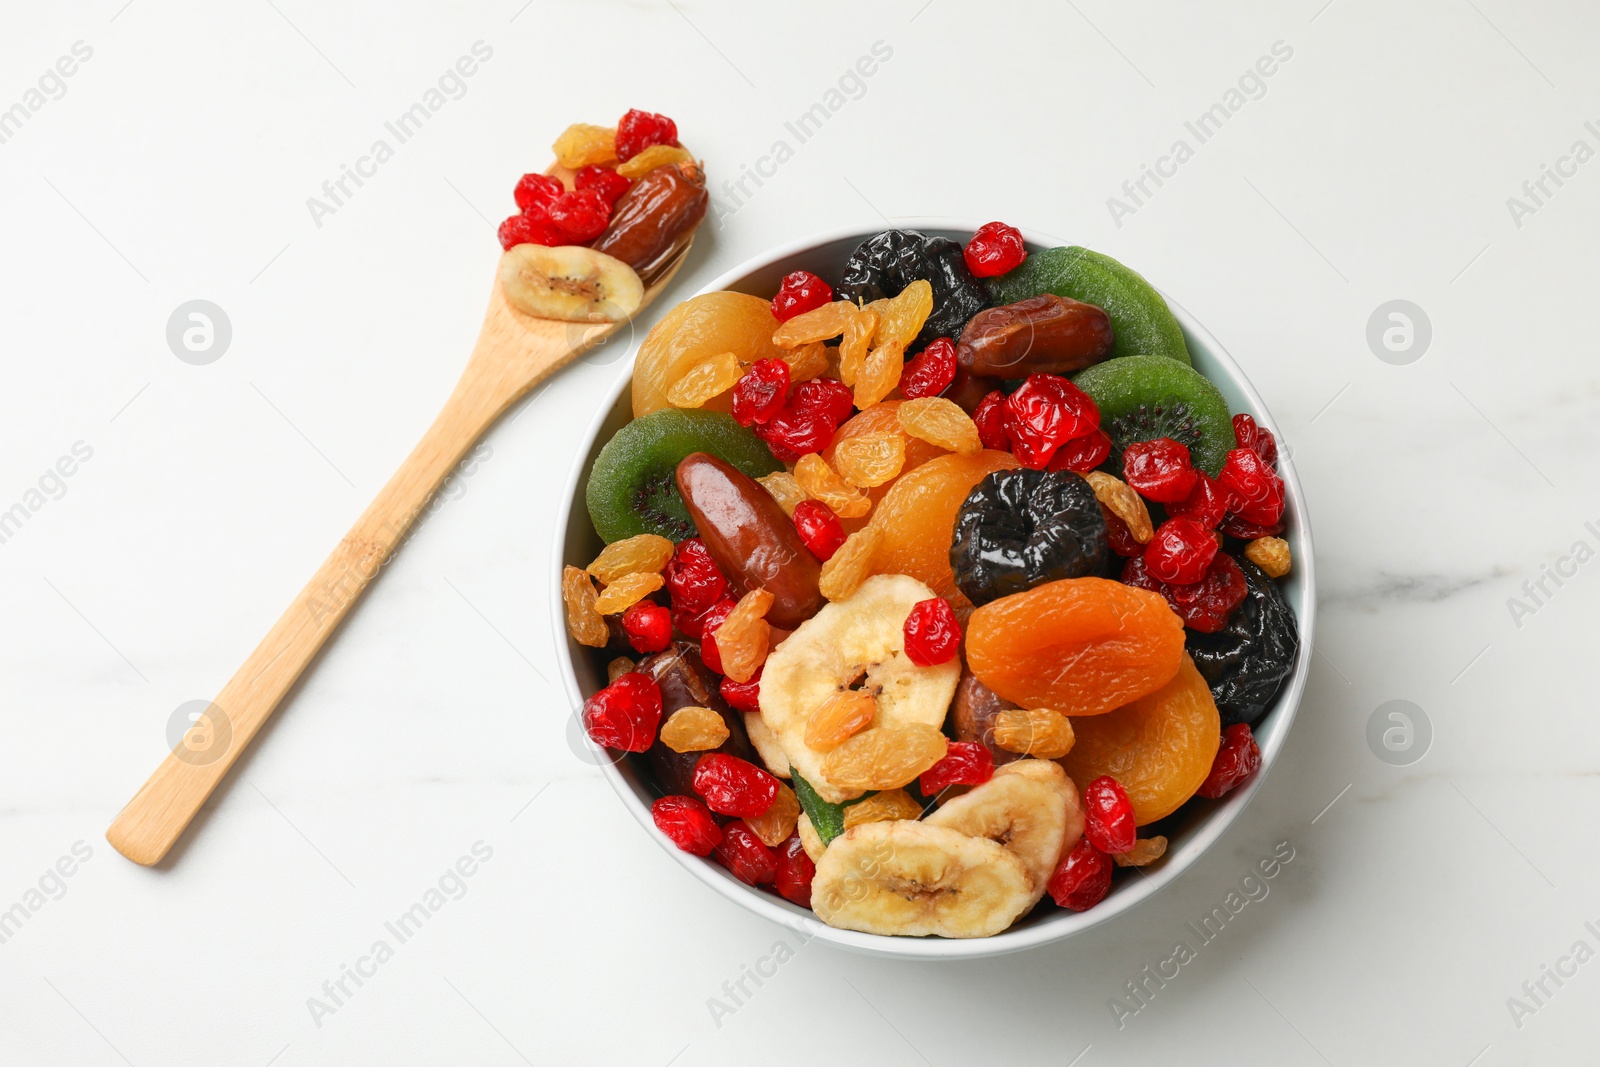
(941, 422)
(775, 824)
(1144, 852)
(807, 361)
(870, 459)
(853, 349)
(887, 757)
(839, 718)
(879, 374)
(818, 324)
(693, 729)
(709, 378)
(1034, 732)
(742, 639)
(644, 554)
(887, 806)
(627, 591)
(618, 667)
(583, 619)
(1271, 554)
(851, 564)
(784, 489)
(819, 480)
(657, 155)
(581, 144)
(902, 317)
(1122, 501)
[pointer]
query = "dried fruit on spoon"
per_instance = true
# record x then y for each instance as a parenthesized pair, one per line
(956, 579)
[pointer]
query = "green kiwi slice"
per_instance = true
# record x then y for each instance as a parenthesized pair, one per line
(1142, 398)
(631, 486)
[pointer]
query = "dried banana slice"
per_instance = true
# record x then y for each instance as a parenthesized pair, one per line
(1030, 807)
(569, 283)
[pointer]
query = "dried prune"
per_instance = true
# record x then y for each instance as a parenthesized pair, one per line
(887, 262)
(1246, 662)
(685, 682)
(1021, 528)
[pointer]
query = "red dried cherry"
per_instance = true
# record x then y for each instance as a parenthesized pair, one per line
(931, 372)
(1108, 816)
(1237, 759)
(732, 786)
(688, 823)
(625, 713)
(794, 873)
(1045, 413)
(820, 529)
(1205, 606)
(990, 415)
(1254, 491)
(1119, 536)
(648, 626)
(1256, 438)
(693, 580)
(536, 192)
(827, 398)
(1082, 454)
(1082, 878)
(964, 763)
(1205, 504)
(714, 617)
(808, 420)
(1234, 526)
(746, 858)
(603, 180)
(581, 215)
(760, 394)
(527, 230)
(638, 130)
(743, 696)
(1180, 552)
(994, 249)
(1160, 470)
(932, 634)
(800, 292)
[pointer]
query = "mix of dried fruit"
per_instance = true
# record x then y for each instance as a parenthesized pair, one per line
(953, 579)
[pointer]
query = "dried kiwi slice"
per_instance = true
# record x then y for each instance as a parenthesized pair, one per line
(631, 489)
(1142, 398)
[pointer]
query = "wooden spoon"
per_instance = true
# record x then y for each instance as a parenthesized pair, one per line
(514, 353)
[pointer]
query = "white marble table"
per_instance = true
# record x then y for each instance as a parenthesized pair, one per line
(175, 163)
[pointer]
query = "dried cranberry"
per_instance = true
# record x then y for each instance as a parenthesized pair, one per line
(1118, 536)
(648, 626)
(994, 249)
(1205, 504)
(688, 823)
(743, 696)
(1254, 490)
(820, 529)
(760, 394)
(1234, 526)
(1045, 413)
(1237, 759)
(1206, 605)
(1160, 470)
(638, 130)
(603, 180)
(827, 398)
(932, 634)
(1108, 820)
(746, 858)
(799, 293)
(1180, 552)
(733, 786)
(931, 372)
(714, 617)
(1082, 878)
(581, 215)
(964, 763)
(625, 713)
(536, 191)
(527, 230)
(990, 416)
(808, 420)
(794, 873)
(1082, 454)
(692, 578)
(1256, 438)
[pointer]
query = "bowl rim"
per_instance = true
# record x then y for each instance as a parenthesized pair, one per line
(1064, 924)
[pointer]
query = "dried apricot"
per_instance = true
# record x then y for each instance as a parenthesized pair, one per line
(582, 144)
(820, 481)
(941, 422)
(744, 636)
(887, 757)
(705, 380)
(695, 330)
(627, 591)
(851, 565)
(1033, 732)
(583, 619)
(784, 489)
(1082, 646)
(869, 460)
(657, 155)
(839, 718)
(917, 516)
(640, 554)
(775, 824)
(693, 729)
(819, 324)
(882, 417)
(1159, 747)
(887, 806)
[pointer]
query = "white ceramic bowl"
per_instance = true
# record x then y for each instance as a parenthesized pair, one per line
(1196, 830)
